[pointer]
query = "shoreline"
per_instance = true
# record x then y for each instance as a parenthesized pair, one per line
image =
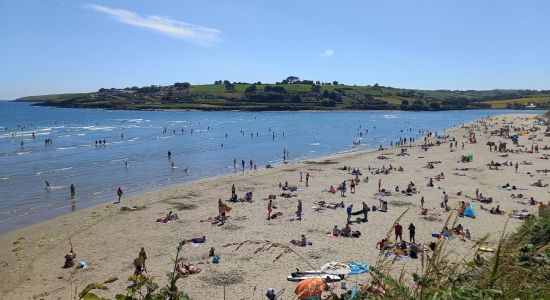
(42, 216)
(108, 238)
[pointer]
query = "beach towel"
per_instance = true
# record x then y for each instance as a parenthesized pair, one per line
(358, 268)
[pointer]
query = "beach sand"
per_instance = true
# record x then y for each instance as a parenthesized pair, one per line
(109, 239)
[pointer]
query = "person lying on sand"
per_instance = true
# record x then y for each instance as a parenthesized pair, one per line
(539, 183)
(187, 269)
(169, 217)
(332, 190)
(197, 240)
(302, 242)
(496, 210)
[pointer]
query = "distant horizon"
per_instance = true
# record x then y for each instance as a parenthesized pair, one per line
(81, 46)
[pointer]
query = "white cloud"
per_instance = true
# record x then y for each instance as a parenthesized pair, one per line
(165, 25)
(327, 53)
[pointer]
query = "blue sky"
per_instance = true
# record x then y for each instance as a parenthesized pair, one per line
(76, 46)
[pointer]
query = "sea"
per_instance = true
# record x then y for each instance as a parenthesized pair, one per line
(58, 145)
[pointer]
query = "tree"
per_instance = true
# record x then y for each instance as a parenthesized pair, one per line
(250, 89)
(404, 102)
(229, 87)
(182, 85)
(278, 89)
(325, 94)
(292, 79)
(334, 96)
(335, 82)
(268, 88)
(315, 88)
(318, 82)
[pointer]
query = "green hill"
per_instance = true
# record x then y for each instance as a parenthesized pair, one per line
(292, 94)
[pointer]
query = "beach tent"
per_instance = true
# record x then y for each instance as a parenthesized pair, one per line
(469, 211)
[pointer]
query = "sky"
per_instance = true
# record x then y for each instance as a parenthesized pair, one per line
(49, 46)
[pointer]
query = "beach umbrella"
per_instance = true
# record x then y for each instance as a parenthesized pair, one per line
(310, 287)
(335, 268)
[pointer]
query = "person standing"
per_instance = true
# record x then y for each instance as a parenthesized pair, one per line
(516, 166)
(269, 209)
(348, 211)
(233, 190)
(422, 202)
(73, 190)
(301, 176)
(119, 193)
(299, 211)
(307, 178)
(366, 210)
(398, 232)
(412, 232)
(352, 187)
(379, 184)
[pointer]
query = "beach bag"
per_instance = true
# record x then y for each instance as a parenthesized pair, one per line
(215, 259)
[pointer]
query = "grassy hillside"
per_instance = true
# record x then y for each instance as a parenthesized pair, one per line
(299, 95)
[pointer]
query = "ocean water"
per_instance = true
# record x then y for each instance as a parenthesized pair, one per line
(137, 142)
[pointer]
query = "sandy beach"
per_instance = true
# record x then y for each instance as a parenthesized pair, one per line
(109, 238)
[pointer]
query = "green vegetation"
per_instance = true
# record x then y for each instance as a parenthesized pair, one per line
(292, 94)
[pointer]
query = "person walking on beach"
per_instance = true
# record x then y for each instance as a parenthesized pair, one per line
(366, 210)
(348, 211)
(299, 210)
(307, 178)
(422, 202)
(445, 200)
(516, 166)
(73, 190)
(379, 184)
(412, 232)
(301, 176)
(269, 209)
(119, 193)
(352, 187)
(398, 232)
(233, 190)
(243, 163)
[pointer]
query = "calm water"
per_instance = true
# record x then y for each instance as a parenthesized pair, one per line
(137, 137)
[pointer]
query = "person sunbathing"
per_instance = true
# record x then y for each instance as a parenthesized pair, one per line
(198, 240)
(302, 243)
(346, 231)
(187, 269)
(169, 217)
(332, 190)
(539, 183)
(335, 231)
